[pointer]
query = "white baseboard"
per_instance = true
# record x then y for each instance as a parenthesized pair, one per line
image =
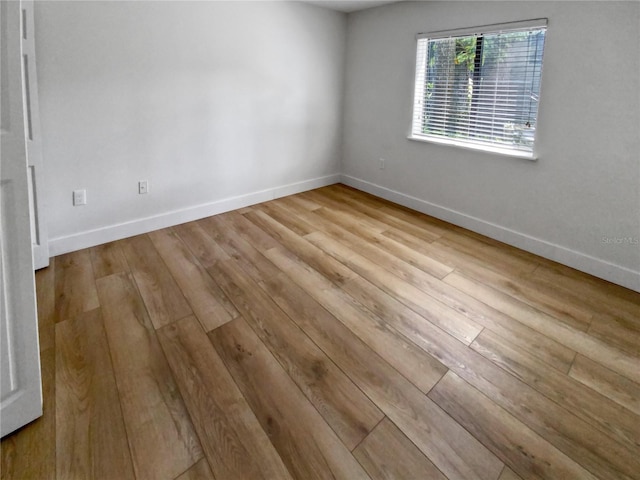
(110, 233)
(580, 261)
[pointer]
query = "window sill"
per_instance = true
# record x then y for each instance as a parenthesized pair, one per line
(482, 148)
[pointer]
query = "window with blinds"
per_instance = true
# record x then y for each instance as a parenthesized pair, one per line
(480, 87)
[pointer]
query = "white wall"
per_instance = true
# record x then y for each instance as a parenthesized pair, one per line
(208, 101)
(584, 188)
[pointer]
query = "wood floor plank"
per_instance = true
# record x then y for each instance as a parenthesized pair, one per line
(283, 216)
(162, 439)
(200, 471)
(583, 402)
(438, 227)
(248, 229)
(487, 254)
(342, 405)
(420, 230)
(608, 383)
(334, 205)
(314, 256)
(521, 449)
(373, 244)
(541, 414)
(302, 202)
(46, 303)
(283, 411)
(90, 434)
(30, 452)
(476, 311)
(108, 259)
(162, 296)
(233, 441)
(451, 449)
(203, 246)
(617, 331)
(75, 285)
(416, 365)
(404, 288)
(228, 233)
(574, 339)
(296, 205)
(387, 454)
(297, 303)
(210, 305)
(599, 295)
(554, 369)
(576, 316)
(508, 474)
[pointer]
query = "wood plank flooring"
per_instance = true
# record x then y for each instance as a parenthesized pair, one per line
(329, 334)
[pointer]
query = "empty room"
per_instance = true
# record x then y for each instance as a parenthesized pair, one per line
(320, 240)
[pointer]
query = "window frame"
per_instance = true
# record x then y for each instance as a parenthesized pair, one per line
(468, 31)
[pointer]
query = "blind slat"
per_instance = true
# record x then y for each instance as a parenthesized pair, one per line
(480, 88)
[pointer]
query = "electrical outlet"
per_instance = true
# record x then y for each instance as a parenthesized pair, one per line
(79, 197)
(382, 164)
(143, 187)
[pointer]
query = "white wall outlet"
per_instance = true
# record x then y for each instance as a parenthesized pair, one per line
(79, 197)
(143, 187)
(382, 164)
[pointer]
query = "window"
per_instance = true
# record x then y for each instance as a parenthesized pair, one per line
(480, 87)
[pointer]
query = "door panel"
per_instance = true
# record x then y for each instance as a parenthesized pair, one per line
(21, 391)
(34, 138)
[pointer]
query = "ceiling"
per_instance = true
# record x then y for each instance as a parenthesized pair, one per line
(349, 5)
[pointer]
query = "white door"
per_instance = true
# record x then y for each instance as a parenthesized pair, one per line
(20, 386)
(34, 139)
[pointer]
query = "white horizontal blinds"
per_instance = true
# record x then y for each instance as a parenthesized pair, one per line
(480, 88)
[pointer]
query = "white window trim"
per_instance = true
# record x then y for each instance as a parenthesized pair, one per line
(466, 145)
(506, 152)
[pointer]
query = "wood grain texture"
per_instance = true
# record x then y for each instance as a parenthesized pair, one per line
(541, 346)
(108, 259)
(162, 296)
(508, 357)
(311, 254)
(306, 444)
(415, 364)
(374, 210)
(208, 302)
(521, 449)
(200, 471)
(233, 236)
(90, 434)
(617, 331)
(162, 439)
(518, 287)
(608, 383)
(201, 244)
(338, 220)
(387, 454)
(426, 302)
(574, 339)
(46, 303)
(508, 474)
(449, 447)
(233, 441)
(403, 288)
(343, 406)
(75, 285)
(585, 403)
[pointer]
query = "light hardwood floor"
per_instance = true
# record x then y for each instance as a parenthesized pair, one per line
(329, 334)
